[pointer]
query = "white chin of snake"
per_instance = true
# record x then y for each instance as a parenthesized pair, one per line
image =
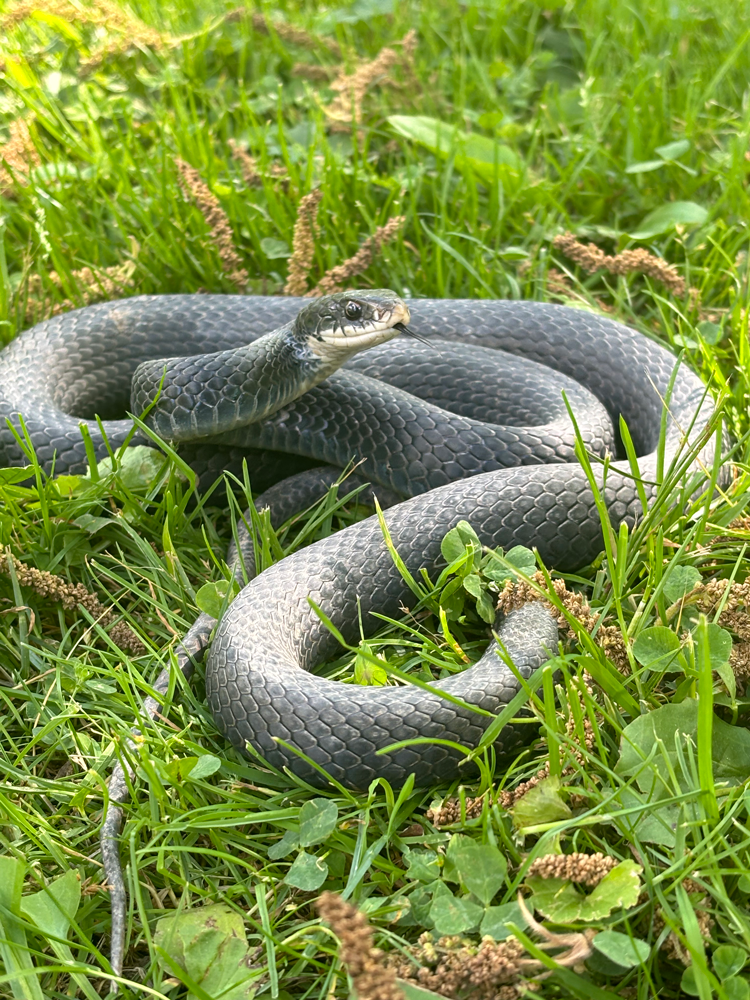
(341, 344)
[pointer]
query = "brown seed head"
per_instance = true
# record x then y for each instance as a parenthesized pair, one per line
(364, 963)
(303, 244)
(586, 869)
(196, 189)
(17, 156)
(589, 257)
(333, 280)
(71, 595)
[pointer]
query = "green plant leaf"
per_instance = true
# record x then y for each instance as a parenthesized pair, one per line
(413, 992)
(523, 558)
(458, 540)
(496, 919)
(486, 608)
(541, 804)
(688, 983)
(669, 215)
(486, 157)
(91, 523)
(275, 249)
(559, 900)
(367, 673)
(453, 915)
(519, 556)
(317, 820)
(424, 865)
(719, 645)
(52, 909)
(556, 898)
(654, 821)
(645, 166)
(210, 597)
(673, 150)
(14, 951)
(621, 949)
(307, 872)
(288, 843)
(658, 648)
(17, 475)
(473, 584)
(208, 947)
(481, 868)
(360, 10)
(457, 841)
(728, 960)
(730, 751)
(680, 581)
(736, 988)
(711, 333)
(192, 768)
(139, 467)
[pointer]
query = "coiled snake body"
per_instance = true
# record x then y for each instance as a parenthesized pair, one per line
(476, 463)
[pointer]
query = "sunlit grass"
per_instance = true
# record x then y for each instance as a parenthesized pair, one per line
(603, 115)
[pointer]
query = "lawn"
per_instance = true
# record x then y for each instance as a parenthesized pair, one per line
(440, 149)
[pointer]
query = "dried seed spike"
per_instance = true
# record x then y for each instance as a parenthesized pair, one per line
(458, 967)
(314, 72)
(196, 189)
(591, 258)
(288, 33)
(585, 869)
(70, 595)
(371, 979)
(103, 283)
(450, 811)
(608, 637)
(113, 17)
(251, 173)
(352, 87)
(333, 279)
(19, 154)
(303, 244)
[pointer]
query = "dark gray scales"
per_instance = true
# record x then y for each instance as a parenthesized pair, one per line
(452, 415)
(417, 418)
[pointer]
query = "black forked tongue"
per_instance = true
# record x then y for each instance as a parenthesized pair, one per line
(404, 329)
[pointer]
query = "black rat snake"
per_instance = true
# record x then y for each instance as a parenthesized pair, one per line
(443, 423)
(446, 422)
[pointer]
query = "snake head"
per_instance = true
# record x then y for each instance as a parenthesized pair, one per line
(337, 326)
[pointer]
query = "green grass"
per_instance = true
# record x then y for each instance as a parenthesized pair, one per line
(569, 99)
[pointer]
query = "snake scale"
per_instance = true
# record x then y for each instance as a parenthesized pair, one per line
(444, 424)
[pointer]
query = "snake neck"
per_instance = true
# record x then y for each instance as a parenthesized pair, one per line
(189, 398)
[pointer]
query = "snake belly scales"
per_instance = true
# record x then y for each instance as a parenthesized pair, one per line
(449, 464)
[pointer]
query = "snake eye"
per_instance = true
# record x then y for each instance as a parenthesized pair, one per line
(353, 310)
